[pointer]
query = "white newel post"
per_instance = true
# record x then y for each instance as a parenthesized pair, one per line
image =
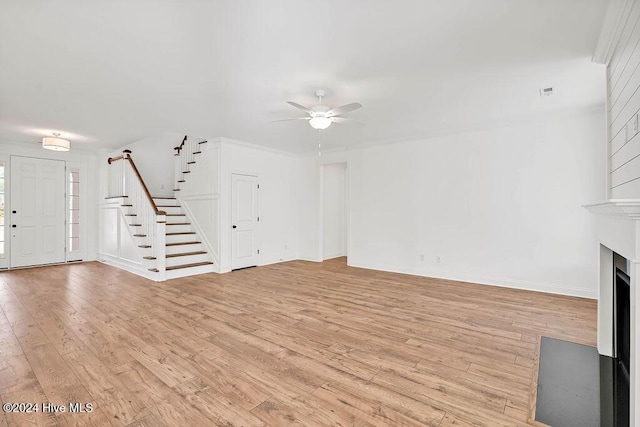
(161, 248)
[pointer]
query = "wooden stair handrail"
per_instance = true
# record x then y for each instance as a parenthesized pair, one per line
(179, 148)
(126, 155)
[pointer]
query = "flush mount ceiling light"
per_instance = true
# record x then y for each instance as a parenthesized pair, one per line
(55, 143)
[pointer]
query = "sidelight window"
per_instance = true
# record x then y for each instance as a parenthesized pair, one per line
(74, 210)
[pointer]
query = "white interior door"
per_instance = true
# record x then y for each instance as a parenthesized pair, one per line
(38, 208)
(244, 220)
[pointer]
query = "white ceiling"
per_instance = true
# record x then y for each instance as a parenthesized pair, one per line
(108, 73)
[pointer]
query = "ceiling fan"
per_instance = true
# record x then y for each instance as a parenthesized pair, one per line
(320, 116)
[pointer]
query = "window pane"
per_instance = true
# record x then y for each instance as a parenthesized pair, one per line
(74, 230)
(74, 202)
(74, 210)
(74, 244)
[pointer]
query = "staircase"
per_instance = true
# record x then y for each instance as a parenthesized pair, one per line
(186, 155)
(169, 244)
(184, 253)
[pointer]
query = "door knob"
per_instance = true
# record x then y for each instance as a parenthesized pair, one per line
(13, 226)
(13, 211)
(234, 226)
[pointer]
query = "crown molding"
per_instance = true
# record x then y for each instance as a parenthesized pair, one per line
(611, 30)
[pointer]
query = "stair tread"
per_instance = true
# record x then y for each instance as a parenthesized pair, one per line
(183, 243)
(203, 142)
(144, 246)
(130, 214)
(186, 171)
(163, 198)
(149, 257)
(178, 223)
(186, 254)
(115, 197)
(168, 206)
(155, 270)
(197, 152)
(135, 225)
(182, 180)
(126, 206)
(139, 235)
(195, 264)
(176, 215)
(176, 189)
(182, 232)
(191, 163)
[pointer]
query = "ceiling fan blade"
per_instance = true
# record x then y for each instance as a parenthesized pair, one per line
(346, 120)
(297, 118)
(344, 109)
(298, 106)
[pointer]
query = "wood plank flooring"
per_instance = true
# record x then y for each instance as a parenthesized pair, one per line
(296, 343)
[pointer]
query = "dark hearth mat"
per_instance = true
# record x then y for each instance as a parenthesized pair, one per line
(568, 384)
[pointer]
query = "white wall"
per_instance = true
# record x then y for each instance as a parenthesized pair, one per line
(333, 210)
(500, 206)
(277, 173)
(86, 162)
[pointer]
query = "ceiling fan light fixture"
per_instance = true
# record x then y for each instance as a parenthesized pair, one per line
(320, 122)
(55, 143)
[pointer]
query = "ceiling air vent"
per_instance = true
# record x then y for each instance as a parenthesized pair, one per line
(546, 91)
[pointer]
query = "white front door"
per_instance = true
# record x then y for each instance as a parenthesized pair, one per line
(38, 207)
(244, 220)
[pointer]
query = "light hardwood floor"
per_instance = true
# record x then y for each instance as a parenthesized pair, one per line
(296, 343)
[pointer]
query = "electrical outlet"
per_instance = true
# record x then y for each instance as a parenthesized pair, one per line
(421, 257)
(438, 259)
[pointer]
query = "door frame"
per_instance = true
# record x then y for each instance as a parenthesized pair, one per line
(347, 208)
(258, 236)
(8, 200)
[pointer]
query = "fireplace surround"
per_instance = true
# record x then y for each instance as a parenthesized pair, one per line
(618, 230)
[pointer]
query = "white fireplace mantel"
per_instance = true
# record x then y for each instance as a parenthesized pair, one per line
(618, 229)
(629, 208)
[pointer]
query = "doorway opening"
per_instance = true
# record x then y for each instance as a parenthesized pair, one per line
(334, 211)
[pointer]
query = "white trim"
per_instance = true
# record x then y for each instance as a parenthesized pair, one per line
(611, 30)
(492, 281)
(458, 130)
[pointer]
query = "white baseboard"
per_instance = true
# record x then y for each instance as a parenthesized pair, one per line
(492, 281)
